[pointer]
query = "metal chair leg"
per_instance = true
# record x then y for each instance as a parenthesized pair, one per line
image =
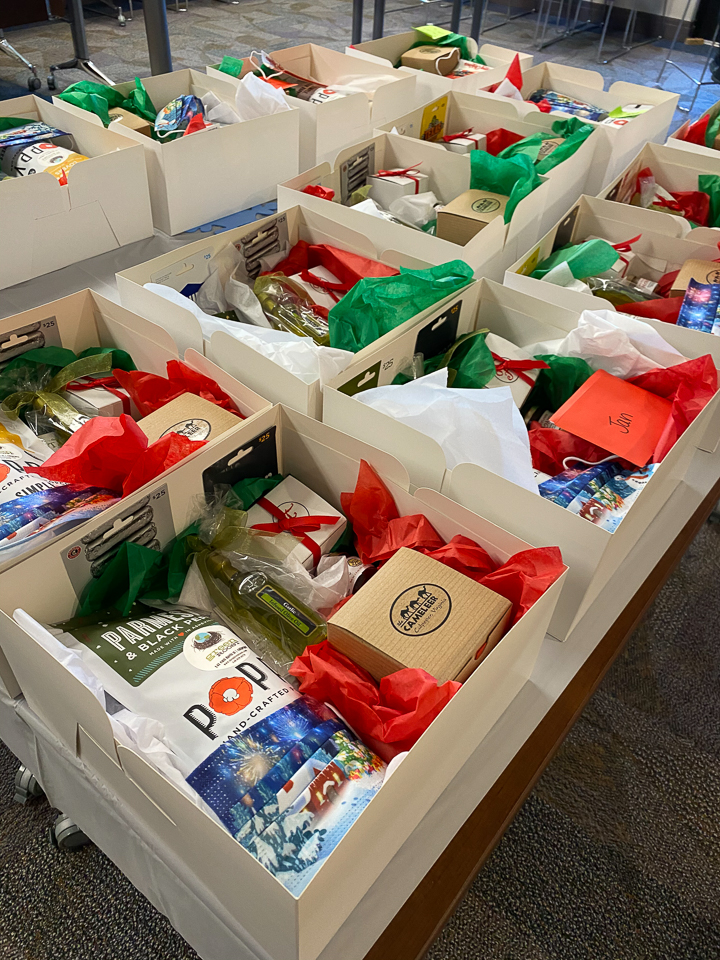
(667, 59)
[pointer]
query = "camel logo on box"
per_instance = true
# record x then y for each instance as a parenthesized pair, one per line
(193, 429)
(713, 276)
(420, 609)
(486, 205)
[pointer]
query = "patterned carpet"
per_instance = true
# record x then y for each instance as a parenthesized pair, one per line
(615, 855)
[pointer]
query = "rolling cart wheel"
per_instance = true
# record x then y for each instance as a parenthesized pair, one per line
(26, 786)
(52, 82)
(67, 835)
(34, 83)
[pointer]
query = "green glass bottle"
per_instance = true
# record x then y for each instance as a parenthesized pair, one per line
(250, 597)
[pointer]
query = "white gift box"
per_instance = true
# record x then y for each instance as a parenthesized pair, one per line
(386, 189)
(297, 501)
(473, 141)
(320, 296)
(510, 378)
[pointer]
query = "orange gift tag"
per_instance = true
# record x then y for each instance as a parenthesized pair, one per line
(615, 415)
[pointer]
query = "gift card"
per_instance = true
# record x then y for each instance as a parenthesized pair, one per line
(615, 415)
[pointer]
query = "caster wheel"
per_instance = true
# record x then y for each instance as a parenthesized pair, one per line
(34, 83)
(52, 82)
(26, 786)
(67, 835)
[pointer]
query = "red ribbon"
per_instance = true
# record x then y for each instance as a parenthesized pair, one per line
(502, 364)
(107, 383)
(670, 204)
(460, 136)
(298, 526)
(625, 247)
(407, 172)
(332, 288)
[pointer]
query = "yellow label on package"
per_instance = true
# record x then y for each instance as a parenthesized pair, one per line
(530, 264)
(432, 125)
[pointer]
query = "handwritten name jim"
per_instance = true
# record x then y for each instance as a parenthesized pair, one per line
(623, 421)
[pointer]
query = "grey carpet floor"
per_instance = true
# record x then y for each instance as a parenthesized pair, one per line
(615, 855)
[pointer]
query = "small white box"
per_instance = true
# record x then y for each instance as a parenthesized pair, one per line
(473, 141)
(296, 501)
(99, 402)
(386, 189)
(320, 296)
(519, 386)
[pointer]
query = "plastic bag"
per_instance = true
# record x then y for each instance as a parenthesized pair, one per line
(515, 178)
(375, 306)
(586, 259)
(288, 307)
(471, 426)
(255, 98)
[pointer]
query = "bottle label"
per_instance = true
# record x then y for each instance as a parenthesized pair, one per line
(278, 604)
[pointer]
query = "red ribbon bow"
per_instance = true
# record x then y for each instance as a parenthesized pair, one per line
(664, 202)
(333, 288)
(407, 172)
(298, 526)
(503, 364)
(108, 383)
(459, 136)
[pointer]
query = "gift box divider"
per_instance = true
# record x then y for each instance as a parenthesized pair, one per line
(327, 127)
(86, 319)
(618, 145)
(191, 265)
(389, 50)
(488, 253)
(660, 238)
(591, 553)
(195, 179)
(328, 461)
(672, 171)
(565, 183)
(104, 205)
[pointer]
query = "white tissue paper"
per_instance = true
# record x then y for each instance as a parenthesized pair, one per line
(416, 210)
(257, 98)
(217, 111)
(472, 426)
(614, 342)
(562, 276)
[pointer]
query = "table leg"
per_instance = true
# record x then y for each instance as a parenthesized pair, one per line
(158, 38)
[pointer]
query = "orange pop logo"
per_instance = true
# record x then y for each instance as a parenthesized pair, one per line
(230, 695)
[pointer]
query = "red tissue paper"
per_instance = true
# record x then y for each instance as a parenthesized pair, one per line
(149, 392)
(500, 139)
(666, 310)
(390, 717)
(380, 531)
(159, 457)
(690, 386)
(347, 267)
(695, 133)
(100, 454)
(113, 453)
(315, 190)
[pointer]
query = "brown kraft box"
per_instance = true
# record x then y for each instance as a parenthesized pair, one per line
(418, 612)
(702, 271)
(127, 119)
(439, 60)
(193, 417)
(467, 214)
